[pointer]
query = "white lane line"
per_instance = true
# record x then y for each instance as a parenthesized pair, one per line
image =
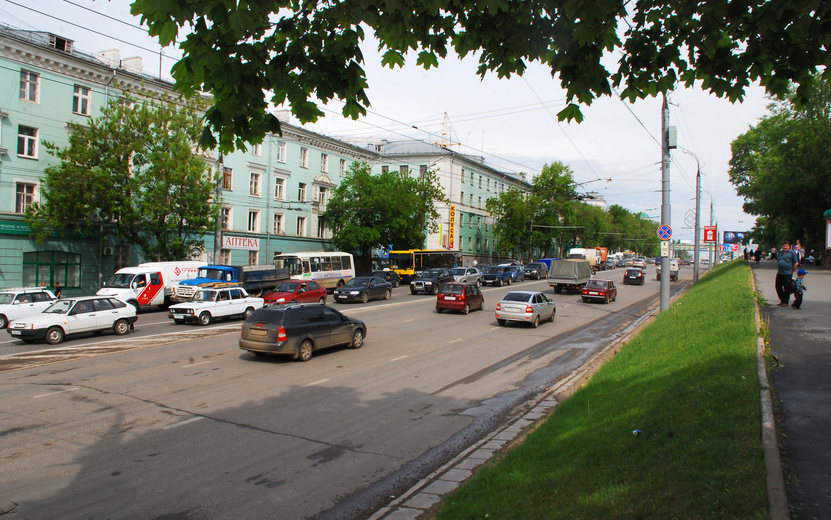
(398, 358)
(408, 321)
(193, 419)
(317, 382)
(55, 393)
(456, 341)
(196, 364)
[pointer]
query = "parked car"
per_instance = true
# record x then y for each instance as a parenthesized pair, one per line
(390, 276)
(517, 273)
(467, 275)
(525, 306)
(75, 315)
(639, 261)
(674, 269)
(431, 280)
(18, 303)
(603, 290)
(611, 263)
(296, 291)
(536, 271)
(633, 276)
(362, 289)
(299, 330)
(211, 303)
(497, 275)
(460, 297)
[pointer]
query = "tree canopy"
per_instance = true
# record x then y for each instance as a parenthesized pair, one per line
(249, 54)
(131, 174)
(783, 170)
(378, 211)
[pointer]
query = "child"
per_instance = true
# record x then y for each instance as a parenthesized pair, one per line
(799, 288)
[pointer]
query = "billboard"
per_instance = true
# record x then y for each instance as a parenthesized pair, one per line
(733, 237)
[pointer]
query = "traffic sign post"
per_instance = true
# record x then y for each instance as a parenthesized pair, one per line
(664, 248)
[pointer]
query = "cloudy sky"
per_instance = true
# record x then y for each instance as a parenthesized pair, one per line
(512, 123)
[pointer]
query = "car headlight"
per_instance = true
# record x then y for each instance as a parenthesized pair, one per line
(281, 300)
(428, 283)
(353, 293)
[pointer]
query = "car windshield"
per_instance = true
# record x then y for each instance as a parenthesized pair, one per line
(211, 274)
(6, 298)
(533, 266)
(596, 283)
(288, 287)
(120, 281)
(633, 271)
(60, 307)
(358, 282)
(517, 297)
(430, 273)
(452, 288)
(205, 296)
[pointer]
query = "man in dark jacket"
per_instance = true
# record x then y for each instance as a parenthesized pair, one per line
(786, 262)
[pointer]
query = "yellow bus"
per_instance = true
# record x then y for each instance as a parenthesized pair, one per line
(330, 269)
(408, 263)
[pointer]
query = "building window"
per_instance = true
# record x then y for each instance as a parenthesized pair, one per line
(471, 178)
(121, 257)
(304, 157)
(487, 245)
(227, 178)
(280, 188)
(478, 243)
(463, 176)
(254, 221)
(257, 150)
(29, 86)
(462, 198)
(422, 171)
(25, 197)
(470, 201)
(488, 184)
(82, 100)
(470, 220)
(385, 169)
(480, 203)
(322, 194)
(480, 182)
(279, 224)
(343, 167)
(478, 222)
(324, 163)
(301, 226)
(48, 267)
(404, 169)
(469, 243)
(321, 227)
(254, 184)
(27, 142)
(281, 151)
(301, 192)
(225, 218)
(253, 258)
(224, 257)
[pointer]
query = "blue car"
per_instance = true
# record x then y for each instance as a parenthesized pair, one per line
(517, 273)
(497, 275)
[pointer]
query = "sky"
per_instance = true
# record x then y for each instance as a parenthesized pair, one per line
(512, 123)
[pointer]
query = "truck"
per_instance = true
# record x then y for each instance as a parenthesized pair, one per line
(149, 283)
(569, 274)
(604, 255)
(255, 279)
(674, 268)
(591, 254)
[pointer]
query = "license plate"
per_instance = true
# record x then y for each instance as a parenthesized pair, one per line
(178, 316)
(593, 292)
(341, 296)
(449, 297)
(16, 333)
(259, 332)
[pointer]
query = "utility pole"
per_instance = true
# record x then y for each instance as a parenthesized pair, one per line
(665, 206)
(697, 254)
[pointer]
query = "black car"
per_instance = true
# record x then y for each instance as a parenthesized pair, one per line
(298, 330)
(362, 289)
(633, 276)
(430, 281)
(390, 276)
(536, 271)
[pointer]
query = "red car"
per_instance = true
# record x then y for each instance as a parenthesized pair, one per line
(603, 290)
(460, 297)
(296, 291)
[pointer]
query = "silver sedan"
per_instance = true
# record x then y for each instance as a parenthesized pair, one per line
(467, 275)
(525, 306)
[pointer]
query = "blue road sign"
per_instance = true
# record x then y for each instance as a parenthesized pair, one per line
(664, 232)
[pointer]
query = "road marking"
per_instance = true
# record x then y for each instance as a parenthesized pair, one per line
(456, 341)
(408, 321)
(193, 419)
(399, 358)
(56, 393)
(317, 382)
(196, 364)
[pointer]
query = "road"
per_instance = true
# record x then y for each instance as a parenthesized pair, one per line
(175, 422)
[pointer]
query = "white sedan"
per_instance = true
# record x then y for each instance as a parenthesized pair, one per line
(209, 304)
(525, 306)
(73, 315)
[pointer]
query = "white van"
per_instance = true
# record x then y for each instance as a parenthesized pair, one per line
(150, 283)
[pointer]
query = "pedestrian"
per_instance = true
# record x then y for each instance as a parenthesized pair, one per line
(757, 256)
(786, 262)
(799, 288)
(57, 289)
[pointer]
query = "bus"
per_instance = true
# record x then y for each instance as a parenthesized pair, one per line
(408, 263)
(330, 269)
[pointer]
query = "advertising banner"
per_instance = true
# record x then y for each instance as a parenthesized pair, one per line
(733, 237)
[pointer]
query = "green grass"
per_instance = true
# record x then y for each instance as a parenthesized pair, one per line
(689, 383)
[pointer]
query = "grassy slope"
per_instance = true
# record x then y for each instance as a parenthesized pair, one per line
(688, 382)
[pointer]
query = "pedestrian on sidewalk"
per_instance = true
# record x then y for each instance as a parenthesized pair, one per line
(786, 262)
(799, 288)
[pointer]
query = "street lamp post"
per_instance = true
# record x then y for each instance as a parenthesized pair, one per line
(697, 252)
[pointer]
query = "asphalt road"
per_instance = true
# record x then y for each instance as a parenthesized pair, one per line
(175, 422)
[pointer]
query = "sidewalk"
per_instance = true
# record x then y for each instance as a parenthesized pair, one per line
(801, 341)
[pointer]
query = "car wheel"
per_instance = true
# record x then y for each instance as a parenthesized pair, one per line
(248, 312)
(121, 327)
(304, 350)
(412, 291)
(478, 283)
(178, 322)
(500, 322)
(585, 300)
(54, 335)
(205, 318)
(499, 283)
(557, 289)
(439, 310)
(364, 297)
(510, 281)
(435, 290)
(536, 322)
(3, 322)
(321, 301)
(607, 299)
(357, 339)
(551, 319)
(466, 310)
(387, 294)
(482, 305)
